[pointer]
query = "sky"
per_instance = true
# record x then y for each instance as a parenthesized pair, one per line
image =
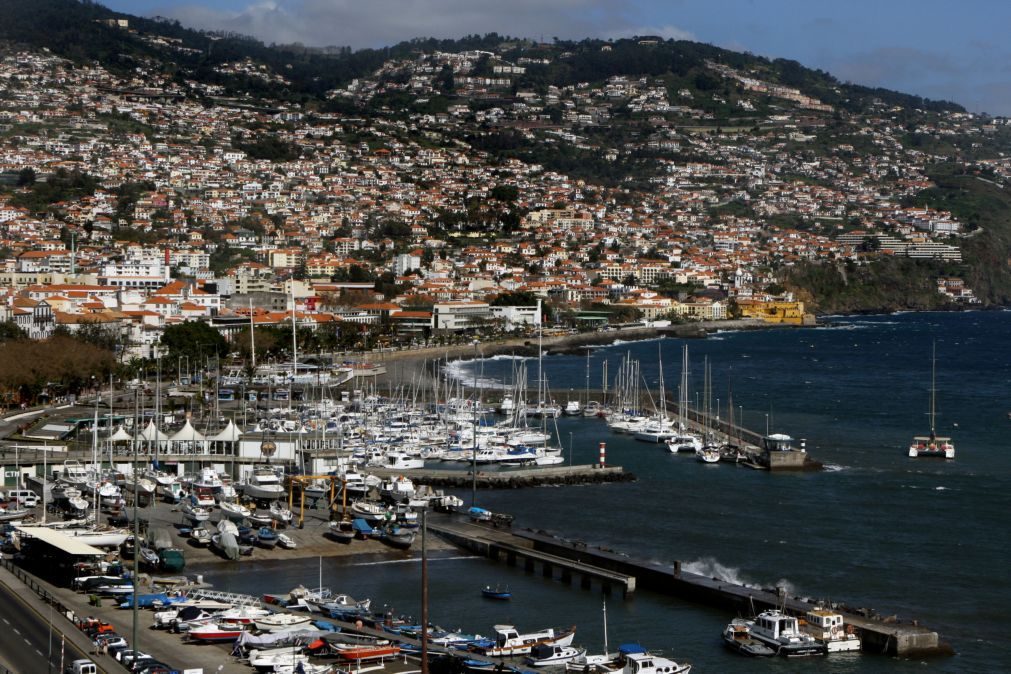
(941, 49)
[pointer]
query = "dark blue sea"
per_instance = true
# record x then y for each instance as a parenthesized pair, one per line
(922, 539)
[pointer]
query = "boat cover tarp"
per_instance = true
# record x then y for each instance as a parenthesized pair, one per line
(159, 538)
(228, 545)
(247, 640)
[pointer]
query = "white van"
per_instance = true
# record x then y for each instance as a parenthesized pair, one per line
(25, 497)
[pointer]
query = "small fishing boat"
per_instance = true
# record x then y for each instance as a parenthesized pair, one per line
(285, 541)
(266, 537)
(366, 651)
(546, 655)
(398, 537)
(342, 531)
(282, 621)
(497, 592)
(737, 637)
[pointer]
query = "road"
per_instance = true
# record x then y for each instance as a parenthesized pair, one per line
(28, 639)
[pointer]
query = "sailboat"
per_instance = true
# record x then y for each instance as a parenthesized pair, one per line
(932, 445)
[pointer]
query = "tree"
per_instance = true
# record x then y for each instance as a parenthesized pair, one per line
(11, 331)
(26, 177)
(192, 340)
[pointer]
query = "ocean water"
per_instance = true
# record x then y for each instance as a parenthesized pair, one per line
(923, 539)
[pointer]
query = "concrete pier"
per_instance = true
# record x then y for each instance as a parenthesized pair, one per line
(878, 636)
(490, 542)
(512, 478)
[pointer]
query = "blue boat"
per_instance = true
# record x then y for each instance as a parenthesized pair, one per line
(266, 537)
(489, 592)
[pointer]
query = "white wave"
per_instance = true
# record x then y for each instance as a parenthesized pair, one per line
(834, 468)
(940, 489)
(463, 372)
(711, 568)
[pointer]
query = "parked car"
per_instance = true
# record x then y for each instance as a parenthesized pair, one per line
(129, 655)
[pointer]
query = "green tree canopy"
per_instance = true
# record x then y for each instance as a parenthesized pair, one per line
(192, 340)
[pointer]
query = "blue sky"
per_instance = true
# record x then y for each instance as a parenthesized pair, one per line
(939, 49)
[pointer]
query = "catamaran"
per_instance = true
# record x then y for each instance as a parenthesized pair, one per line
(932, 445)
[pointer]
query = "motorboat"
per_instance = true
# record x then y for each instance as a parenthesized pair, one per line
(263, 483)
(279, 513)
(234, 511)
(708, 454)
(217, 631)
(285, 541)
(737, 637)
(782, 633)
(572, 409)
(546, 655)
(13, 514)
(829, 628)
(648, 663)
(270, 660)
(397, 489)
(508, 641)
(194, 512)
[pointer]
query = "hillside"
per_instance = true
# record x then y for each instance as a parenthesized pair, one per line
(853, 198)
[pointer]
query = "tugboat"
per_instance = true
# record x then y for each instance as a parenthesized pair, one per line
(782, 634)
(829, 628)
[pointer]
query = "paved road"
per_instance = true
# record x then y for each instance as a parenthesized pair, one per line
(28, 640)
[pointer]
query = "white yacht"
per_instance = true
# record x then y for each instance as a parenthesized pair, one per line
(782, 633)
(655, 430)
(264, 483)
(572, 409)
(684, 442)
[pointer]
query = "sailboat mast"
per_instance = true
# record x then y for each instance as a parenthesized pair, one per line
(933, 387)
(252, 337)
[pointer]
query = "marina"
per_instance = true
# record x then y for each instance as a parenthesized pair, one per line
(547, 540)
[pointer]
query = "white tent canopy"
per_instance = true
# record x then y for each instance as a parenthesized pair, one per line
(229, 433)
(121, 435)
(187, 434)
(152, 434)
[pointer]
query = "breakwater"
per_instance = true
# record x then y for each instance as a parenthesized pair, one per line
(615, 568)
(514, 479)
